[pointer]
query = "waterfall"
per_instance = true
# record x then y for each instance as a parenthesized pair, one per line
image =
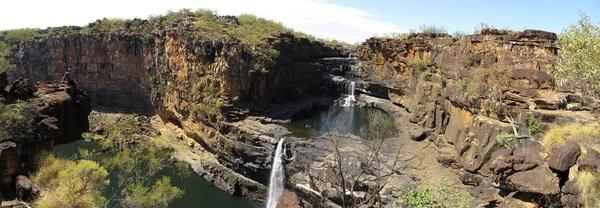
(350, 95)
(276, 179)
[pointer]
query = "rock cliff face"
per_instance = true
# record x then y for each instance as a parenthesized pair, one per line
(60, 115)
(468, 91)
(202, 85)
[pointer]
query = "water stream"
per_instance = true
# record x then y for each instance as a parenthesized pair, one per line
(276, 179)
(350, 95)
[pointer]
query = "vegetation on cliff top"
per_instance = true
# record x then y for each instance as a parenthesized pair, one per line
(205, 24)
(579, 63)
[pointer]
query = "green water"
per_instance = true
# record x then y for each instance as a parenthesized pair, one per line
(198, 192)
(351, 119)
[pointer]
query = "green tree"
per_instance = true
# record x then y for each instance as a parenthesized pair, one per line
(137, 169)
(579, 56)
(76, 185)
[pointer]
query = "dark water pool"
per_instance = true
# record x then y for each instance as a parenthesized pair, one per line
(351, 119)
(198, 192)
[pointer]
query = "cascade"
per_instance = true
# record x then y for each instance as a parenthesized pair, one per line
(276, 179)
(350, 95)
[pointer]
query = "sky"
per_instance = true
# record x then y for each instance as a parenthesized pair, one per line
(352, 21)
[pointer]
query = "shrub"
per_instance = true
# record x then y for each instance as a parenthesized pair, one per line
(426, 76)
(473, 60)
(507, 140)
(459, 35)
(588, 183)
(430, 107)
(533, 125)
(579, 56)
(73, 185)
(488, 81)
(557, 136)
(219, 104)
(431, 29)
(447, 196)
(444, 83)
(418, 65)
(17, 121)
(462, 85)
(482, 26)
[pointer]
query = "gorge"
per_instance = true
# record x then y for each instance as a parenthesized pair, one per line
(235, 110)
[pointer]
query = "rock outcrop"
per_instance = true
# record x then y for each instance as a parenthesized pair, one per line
(60, 115)
(470, 90)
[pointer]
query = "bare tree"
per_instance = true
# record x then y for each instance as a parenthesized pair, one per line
(377, 160)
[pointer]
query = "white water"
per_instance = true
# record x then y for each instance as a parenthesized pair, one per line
(276, 180)
(350, 95)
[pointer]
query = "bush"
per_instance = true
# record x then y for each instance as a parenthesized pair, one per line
(74, 185)
(557, 136)
(444, 82)
(430, 107)
(533, 125)
(418, 65)
(219, 104)
(507, 140)
(426, 76)
(588, 183)
(579, 56)
(447, 196)
(431, 29)
(462, 85)
(473, 60)
(459, 35)
(488, 81)
(17, 121)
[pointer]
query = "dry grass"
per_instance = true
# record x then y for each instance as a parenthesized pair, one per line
(589, 187)
(586, 135)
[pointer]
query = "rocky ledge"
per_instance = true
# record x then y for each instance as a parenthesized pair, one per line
(60, 115)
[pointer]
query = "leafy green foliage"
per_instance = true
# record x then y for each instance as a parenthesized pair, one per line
(507, 140)
(473, 60)
(430, 107)
(462, 85)
(447, 196)
(579, 62)
(70, 184)
(418, 65)
(533, 125)
(444, 82)
(17, 121)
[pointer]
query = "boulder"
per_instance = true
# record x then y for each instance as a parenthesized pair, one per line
(590, 161)
(290, 199)
(447, 155)
(24, 189)
(514, 202)
(561, 159)
(22, 89)
(490, 196)
(539, 180)
(470, 178)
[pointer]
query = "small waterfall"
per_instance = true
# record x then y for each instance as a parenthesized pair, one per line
(276, 179)
(350, 95)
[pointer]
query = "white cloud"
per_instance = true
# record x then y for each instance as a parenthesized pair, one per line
(317, 17)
